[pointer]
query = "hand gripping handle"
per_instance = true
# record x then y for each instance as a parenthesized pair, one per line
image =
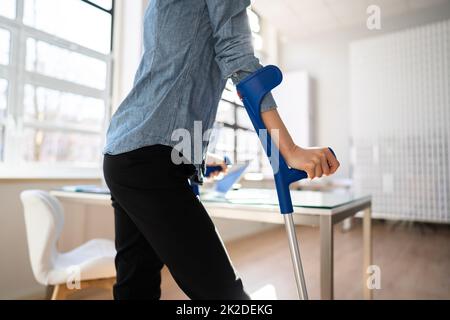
(252, 90)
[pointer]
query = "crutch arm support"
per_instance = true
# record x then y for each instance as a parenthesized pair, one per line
(252, 90)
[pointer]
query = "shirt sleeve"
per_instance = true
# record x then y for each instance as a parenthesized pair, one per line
(233, 42)
(268, 103)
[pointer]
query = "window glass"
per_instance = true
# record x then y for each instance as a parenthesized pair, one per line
(230, 94)
(253, 20)
(62, 88)
(255, 27)
(257, 42)
(64, 64)
(73, 20)
(105, 4)
(8, 8)
(5, 44)
(248, 147)
(54, 146)
(225, 143)
(3, 98)
(225, 112)
(45, 105)
(243, 120)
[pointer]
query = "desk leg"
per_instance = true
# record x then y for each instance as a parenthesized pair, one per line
(367, 244)
(326, 258)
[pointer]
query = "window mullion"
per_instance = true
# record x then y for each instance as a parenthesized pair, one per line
(40, 80)
(21, 54)
(108, 96)
(20, 4)
(15, 98)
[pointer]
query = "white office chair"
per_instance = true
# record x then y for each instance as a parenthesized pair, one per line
(89, 265)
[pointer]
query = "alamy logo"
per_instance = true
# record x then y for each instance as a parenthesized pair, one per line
(374, 19)
(374, 279)
(189, 149)
(73, 278)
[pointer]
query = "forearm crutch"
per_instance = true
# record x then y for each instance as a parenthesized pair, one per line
(252, 90)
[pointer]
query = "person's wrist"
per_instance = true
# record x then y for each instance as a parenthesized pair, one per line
(291, 152)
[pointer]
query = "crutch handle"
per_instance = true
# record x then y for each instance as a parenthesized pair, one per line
(334, 154)
(252, 90)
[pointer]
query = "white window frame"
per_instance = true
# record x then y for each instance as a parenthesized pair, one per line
(17, 76)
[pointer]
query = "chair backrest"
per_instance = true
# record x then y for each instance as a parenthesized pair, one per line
(44, 220)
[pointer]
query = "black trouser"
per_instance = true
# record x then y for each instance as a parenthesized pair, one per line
(159, 221)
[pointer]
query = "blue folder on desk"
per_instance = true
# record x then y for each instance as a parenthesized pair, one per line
(222, 187)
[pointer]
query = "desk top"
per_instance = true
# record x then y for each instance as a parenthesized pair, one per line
(304, 202)
(300, 199)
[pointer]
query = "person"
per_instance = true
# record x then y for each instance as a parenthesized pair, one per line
(191, 48)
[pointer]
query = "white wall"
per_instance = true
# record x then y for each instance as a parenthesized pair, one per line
(294, 105)
(326, 64)
(326, 59)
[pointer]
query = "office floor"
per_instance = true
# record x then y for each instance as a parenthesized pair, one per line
(414, 261)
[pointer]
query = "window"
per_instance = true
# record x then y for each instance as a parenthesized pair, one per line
(55, 76)
(83, 22)
(255, 26)
(235, 136)
(8, 9)
(5, 47)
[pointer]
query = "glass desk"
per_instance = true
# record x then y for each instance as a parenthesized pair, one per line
(302, 199)
(320, 209)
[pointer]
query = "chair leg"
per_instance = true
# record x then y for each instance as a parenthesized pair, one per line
(49, 292)
(61, 292)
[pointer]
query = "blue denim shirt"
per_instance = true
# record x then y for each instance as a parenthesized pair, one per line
(191, 48)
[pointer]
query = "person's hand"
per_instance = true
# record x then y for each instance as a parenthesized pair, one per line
(316, 162)
(223, 169)
(216, 165)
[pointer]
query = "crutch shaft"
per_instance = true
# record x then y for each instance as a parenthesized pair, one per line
(296, 258)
